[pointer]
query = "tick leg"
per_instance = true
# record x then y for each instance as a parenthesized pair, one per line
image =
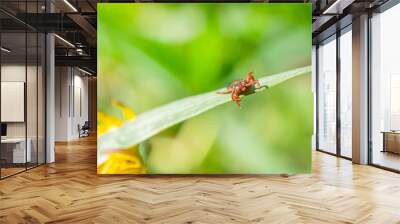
(228, 90)
(250, 77)
(236, 98)
(238, 102)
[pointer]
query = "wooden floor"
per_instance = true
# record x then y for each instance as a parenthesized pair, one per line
(387, 159)
(5, 172)
(69, 191)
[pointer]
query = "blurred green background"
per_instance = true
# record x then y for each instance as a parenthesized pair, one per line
(150, 54)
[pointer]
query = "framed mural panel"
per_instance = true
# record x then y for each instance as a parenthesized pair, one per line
(204, 88)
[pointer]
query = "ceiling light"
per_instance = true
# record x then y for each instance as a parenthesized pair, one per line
(79, 51)
(333, 6)
(70, 5)
(338, 6)
(5, 50)
(84, 71)
(65, 41)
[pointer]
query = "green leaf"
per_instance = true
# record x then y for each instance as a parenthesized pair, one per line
(156, 120)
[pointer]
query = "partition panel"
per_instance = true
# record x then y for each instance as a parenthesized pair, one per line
(15, 150)
(23, 89)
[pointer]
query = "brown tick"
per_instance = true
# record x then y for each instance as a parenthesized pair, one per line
(240, 86)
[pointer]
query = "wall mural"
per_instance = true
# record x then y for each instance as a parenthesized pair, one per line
(204, 88)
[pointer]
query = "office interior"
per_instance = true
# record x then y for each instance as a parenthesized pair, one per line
(48, 82)
(370, 75)
(48, 120)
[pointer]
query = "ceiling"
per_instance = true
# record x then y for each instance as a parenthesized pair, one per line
(75, 23)
(332, 15)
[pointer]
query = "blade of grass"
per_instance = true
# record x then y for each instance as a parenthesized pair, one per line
(156, 120)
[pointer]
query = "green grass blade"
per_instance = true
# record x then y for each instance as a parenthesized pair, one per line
(156, 120)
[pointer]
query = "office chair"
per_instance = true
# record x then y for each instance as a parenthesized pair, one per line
(84, 130)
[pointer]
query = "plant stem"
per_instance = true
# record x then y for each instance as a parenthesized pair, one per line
(156, 120)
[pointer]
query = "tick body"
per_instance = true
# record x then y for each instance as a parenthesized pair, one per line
(240, 86)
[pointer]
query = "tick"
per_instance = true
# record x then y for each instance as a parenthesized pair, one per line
(241, 86)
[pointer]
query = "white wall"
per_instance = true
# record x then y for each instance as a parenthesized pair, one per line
(71, 102)
(12, 73)
(80, 110)
(33, 126)
(62, 81)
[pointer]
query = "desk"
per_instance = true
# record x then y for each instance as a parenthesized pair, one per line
(391, 141)
(17, 150)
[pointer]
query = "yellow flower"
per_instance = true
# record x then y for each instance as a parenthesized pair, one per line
(126, 111)
(106, 123)
(124, 161)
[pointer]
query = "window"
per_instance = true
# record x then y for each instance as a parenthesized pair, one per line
(346, 92)
(327, 95)
(385, 89)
